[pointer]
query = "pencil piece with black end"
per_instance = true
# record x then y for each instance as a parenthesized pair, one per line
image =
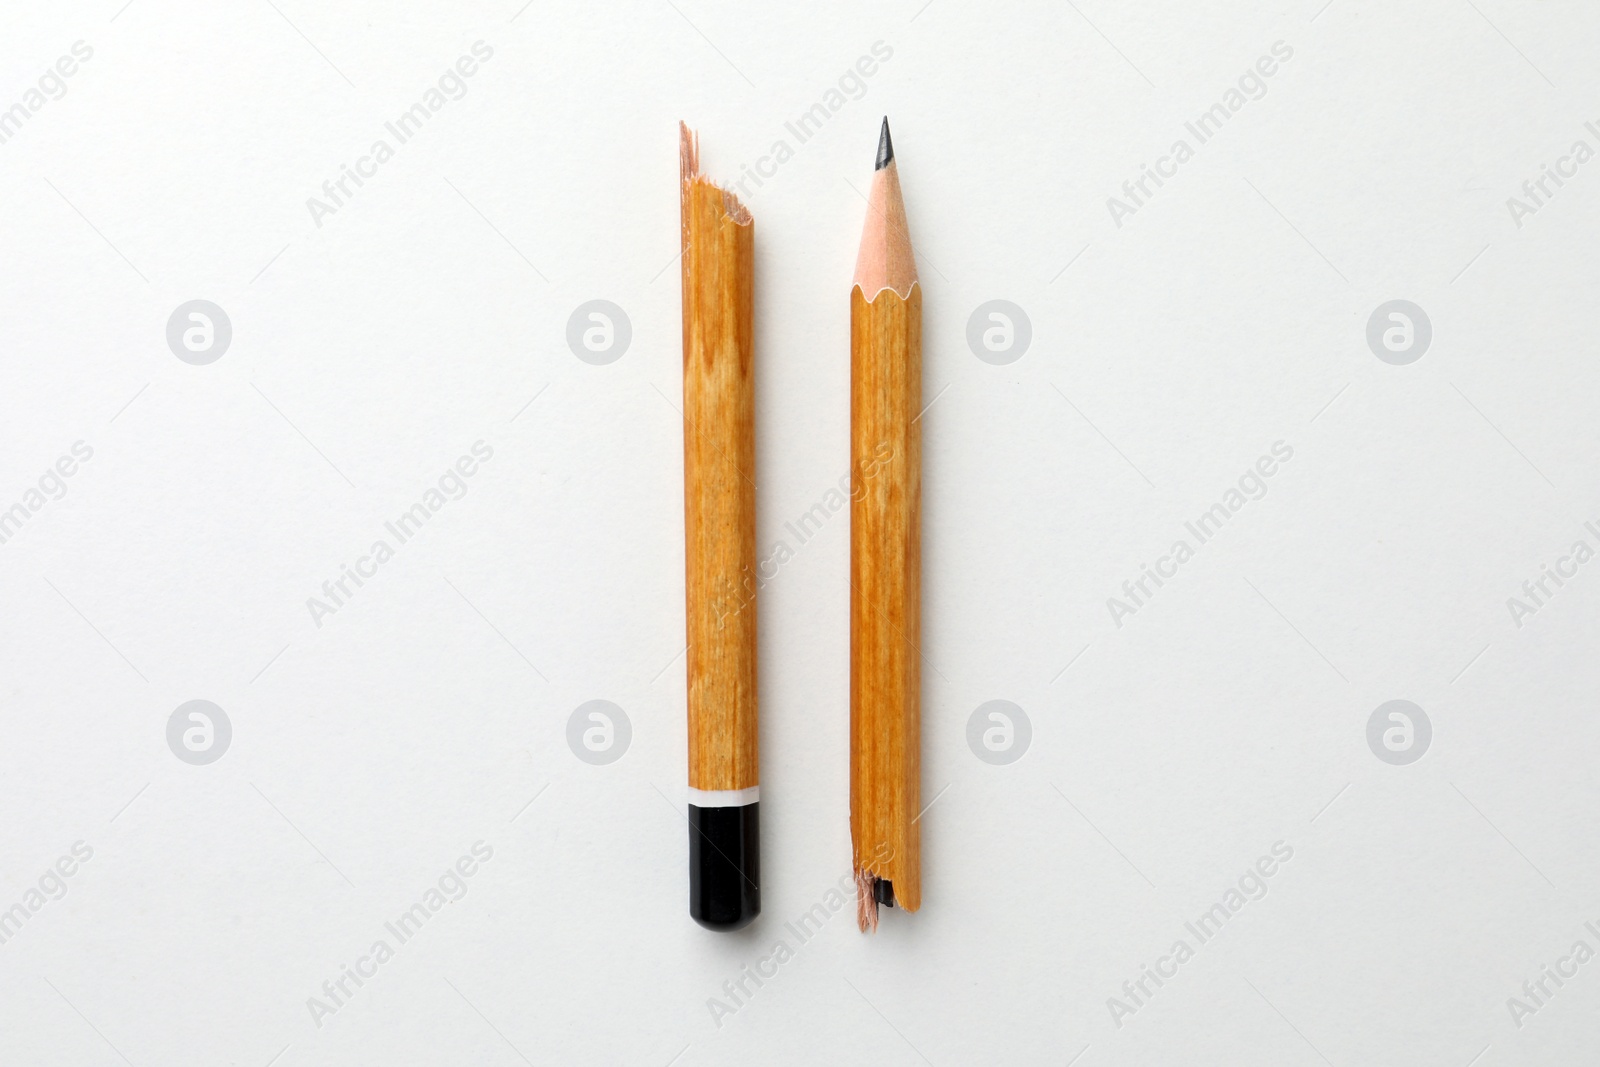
(885, 554)
(719, 508)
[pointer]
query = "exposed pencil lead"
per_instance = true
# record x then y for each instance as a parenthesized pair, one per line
(885, 147)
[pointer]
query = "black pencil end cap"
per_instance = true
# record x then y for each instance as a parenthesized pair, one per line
(725, 866)
(885, 147)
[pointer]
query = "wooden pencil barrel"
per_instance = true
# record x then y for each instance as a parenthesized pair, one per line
(719, 509)
(719, 493)
(886, 588)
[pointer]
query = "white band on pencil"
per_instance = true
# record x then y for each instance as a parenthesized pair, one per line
(724, 798)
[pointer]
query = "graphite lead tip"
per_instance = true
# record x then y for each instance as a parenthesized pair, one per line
(885, 147)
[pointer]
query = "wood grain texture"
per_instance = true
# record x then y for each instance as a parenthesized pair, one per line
(719, 495)
(885, 594)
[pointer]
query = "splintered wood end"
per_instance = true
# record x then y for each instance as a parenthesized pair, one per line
(866, 901)
(689, 174)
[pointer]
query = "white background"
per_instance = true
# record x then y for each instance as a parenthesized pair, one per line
(1167, 354)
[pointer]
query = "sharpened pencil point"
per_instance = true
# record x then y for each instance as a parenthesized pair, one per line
(885, 260)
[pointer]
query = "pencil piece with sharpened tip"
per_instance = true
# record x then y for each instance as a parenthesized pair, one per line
(885, 555)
